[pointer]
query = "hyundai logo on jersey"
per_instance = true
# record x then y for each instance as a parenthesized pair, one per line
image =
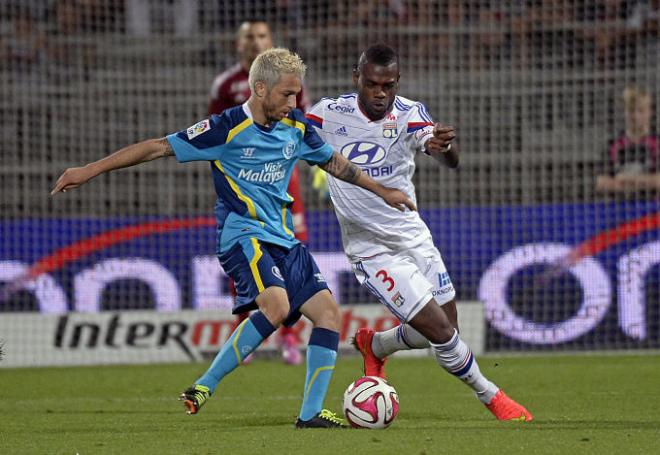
(364, 153)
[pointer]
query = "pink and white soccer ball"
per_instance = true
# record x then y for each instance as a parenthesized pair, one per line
(370, 402)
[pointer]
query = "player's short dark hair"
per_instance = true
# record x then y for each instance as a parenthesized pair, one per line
(379, 54)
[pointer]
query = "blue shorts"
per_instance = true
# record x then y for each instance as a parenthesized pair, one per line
(255, 265)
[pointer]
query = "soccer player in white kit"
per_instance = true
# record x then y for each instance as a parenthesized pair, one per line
(392, 253)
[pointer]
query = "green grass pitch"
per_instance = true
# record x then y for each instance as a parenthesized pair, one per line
(582, 404)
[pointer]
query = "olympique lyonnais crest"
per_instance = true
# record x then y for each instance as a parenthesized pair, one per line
(389, 130)
(288, 150)
(398, 299)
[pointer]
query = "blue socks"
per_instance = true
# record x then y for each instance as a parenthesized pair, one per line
(321, 358)
(245, 339)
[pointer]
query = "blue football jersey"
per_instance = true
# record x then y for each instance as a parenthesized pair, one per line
(251, 166)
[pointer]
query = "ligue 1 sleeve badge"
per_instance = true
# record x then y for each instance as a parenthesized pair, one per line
(198, 128)
(389, 130)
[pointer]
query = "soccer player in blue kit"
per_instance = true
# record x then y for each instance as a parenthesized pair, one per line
(252, 150)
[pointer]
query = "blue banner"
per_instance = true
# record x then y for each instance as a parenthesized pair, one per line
(573, 275)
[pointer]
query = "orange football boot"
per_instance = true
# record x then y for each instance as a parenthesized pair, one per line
(373, 366)
(504, 408)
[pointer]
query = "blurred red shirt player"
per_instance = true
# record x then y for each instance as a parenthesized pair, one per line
(231, 88)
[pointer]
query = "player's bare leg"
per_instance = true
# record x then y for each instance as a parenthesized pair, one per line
(273, 303)
(375, 347)
(452, 313)
(455, 356)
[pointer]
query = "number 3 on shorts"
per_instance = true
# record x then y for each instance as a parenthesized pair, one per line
(385, 278)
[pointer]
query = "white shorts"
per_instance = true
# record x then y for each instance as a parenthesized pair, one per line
(405, 281)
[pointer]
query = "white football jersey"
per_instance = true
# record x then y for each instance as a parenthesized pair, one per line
(384, 149)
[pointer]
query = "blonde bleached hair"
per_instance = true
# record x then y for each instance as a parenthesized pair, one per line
(269, 66)
(632, 96)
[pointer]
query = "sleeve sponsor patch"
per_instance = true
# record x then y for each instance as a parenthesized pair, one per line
(198, 128)
(421, 134)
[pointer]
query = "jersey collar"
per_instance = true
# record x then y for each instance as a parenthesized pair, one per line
(357, 102)
(247, 111)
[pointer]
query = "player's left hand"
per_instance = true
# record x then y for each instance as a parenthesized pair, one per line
(397, 199)
(72, 178)
(443, 135)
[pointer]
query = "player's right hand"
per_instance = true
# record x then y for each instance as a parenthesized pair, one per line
(397, 199)
(72, 178)
(443, 135)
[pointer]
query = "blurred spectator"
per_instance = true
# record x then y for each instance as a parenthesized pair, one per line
(612, 29)
(642, 14)
(69, 56)
(632, 159)
(488, 43)
(181, 13)
(67, 17)
(542, 33)
(25, 49)
(385, 13)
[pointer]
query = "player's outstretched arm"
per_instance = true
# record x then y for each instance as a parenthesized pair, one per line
(440, 146)
(128, 156)
(339, 167)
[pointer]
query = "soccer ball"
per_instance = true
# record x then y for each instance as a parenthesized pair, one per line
(370, 402)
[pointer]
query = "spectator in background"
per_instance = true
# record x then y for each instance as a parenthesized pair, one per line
(70, 57)
(67, 17)
(614, 29)
(231, 88)
(488, 44)
(632, 160)
(25, 49)
(144, 17)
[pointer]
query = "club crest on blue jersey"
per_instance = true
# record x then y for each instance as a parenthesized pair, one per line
(277, 273)
(390, 130)
(288, 150)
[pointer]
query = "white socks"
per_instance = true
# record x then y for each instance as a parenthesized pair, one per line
(455, 357)
(400, 338)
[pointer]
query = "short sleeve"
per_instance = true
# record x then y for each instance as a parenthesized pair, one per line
(314, 150)
(203, 141)
(420, 125)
